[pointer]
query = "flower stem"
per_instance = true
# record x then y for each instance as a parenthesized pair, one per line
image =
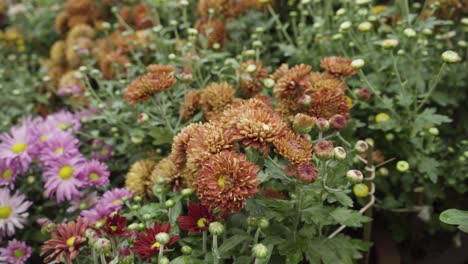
(204, 241)
(103, 259)
(257, 235)
(298, 210)
(216, 256)
(161, 253)
(432, 88)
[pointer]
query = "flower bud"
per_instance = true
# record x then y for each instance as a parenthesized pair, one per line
(216, 228)
(358, 64)
(361, 146)
(389, 43)
(322, 124)
(269, 83)
(341, 12)
(434, 131)
(360, 190)
(365, 26)
(102, 245)
(142, 117)
(216, 46)
(402, 166)
(251, 68)
(187, 192)
(450, 56)
(339, 153)
(383, 171)
(263, 223)
(354, 176)
(389, 136)
(324, 150)
(136, 139)
(163, 238)
(259, 251)
(345, 26)
(160, 181)
(305, 100)
(133, 226)
(409, 32)
(303, 123)
(251, 221)
(186, 250)
(338, 122)
(364, 94)
(164, 260)
(172, 56)
(141, 226)
(382, 117)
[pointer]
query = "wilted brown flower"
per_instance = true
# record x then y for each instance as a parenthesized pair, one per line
(179, 146)
(190, 105)
(337, 66)
(213, 30)
(226, 181)
(251, 78)
(166, 170)
(138, 179)
(215, 98)
(327, 103)
(145, 86)
(293, 148)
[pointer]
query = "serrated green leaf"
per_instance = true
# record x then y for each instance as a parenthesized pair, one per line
(161, 135)
(231, 243)
(349, 217)
(429, 118)
(175, 212)
(343, 199)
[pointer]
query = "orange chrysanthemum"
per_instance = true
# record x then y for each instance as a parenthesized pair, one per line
(141, 16)
(179, 146)
(280, 72)
(138, 179)
(216, 97)
(293, 83)
(251, 78)
(293, 147)
(80, 31)
(109, 62)
(145, 86)
(61, 23)
(190, 105)
(74, 7)
(76, 20)
(327, 103)
(213, 30)
(326, 81)
(337, 66)
(160, 68)
(220, 7)
(226, 181)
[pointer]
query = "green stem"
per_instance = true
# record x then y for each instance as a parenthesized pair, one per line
(257, 235)
(298, 210)
(374, 91)
(204, 241)
(432, 88)
(161, 253)
(95, 259)
(216, 256)
(278, 22)
(103, 259)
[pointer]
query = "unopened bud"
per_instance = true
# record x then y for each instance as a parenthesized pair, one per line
(260, 251)
(361, 146)
(216, 228)
(339, 153)
(354, 176)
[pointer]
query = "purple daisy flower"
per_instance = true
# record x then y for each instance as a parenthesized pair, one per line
(85, 114)
(62, 178)
(16, 145)
(13, 212)
(97, 213)
(103, 154)
(60, 144)
(17, 252)
(64, 120)
(115, 198)
(41, 132)
(94, 173)
(84, 203)
(8, 172)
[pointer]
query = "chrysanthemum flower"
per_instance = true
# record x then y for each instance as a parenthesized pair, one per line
(64, 120)
(324, 149)
(8, 172)
(160, 68)
(226, 181)
(83, 203)
(102, 154)
(16, 145)
(97, 214)
(209, 139)
(197, 220)
(220, 8)
(138, 177)
(110, 63)
(251, 78)
(94, 173)
(166, 170)
(147, 85)
(179, 145)
(116, 225)
(306, 172)
(190, 105)
(327, 103)
(146, 245)
(115, 198)
(62, 178)
(216, 97)
(66, 240)
(59, 144)
(293, 83)
(326, 81)
(293, 147)
(338, 66)
(70, 84)
(13, 212)
(16, 252)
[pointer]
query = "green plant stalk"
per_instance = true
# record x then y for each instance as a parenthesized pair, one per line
(216, 256)
(204, 241)
(257, 235)
(369, 212)
(374, 91)
(432, 88)
(298, 210)
(161, 253)
(103, 259)
(278, 22)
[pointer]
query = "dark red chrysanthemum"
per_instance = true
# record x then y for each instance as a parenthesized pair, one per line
(116, 225)
(146, 245)
(197, 220)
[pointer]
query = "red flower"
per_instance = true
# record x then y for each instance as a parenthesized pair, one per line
(146, 246)
(116, 225)
(197, 220)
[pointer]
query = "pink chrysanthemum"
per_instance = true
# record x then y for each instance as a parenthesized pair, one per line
(115, 198)
(16, 145)
(64, 120)
(17, 252)
(41, 132)
(61, 178)
(97, 213)
(8, 172)
(13, 212)
(94, 173)
(83, 203)
(60, 145)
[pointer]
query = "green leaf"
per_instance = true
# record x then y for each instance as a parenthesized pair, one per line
(161, 135)
(349, 217)
(175, 212)
(429, 167)
(429, 118)
(186, 260)
(231, 243)
(343, 199)
(273, 171)
(318, 214)
(454, 217)
(243, 260)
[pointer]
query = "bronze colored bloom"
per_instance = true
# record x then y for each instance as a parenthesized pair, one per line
(213, 30)
(78, 6)
(160, 68)
(306, 172)
(220, 7)
(226, 181)
(292, 85)
(57, 53)
(74, 48)
(76, 20)
(207, 140)
(216, 97)
(66, 240)
(293, 148)
(280, 72)
(190, 105)
(329, 83)
(179, 146)
(229, 116)
(251, 78)
(303, 123)
(327, 103)
(80, 31)
(166, 170)
(61, 23)
(338, 122)
(337, 66)
(324, 150)
(138, 178)
(142, 17)
(112, 61)
(145, 86)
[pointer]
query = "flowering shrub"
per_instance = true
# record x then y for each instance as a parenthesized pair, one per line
(229, 131)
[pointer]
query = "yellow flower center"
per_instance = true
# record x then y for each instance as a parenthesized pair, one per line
(62, 126)
(43, 138)
(66, 172)
(7, 174)
(113, 227)
(71, 241)
(18, 253)
(201, 222)
(104, 152)
(59, 151)
(18, 148)
(117, 202)
(155, 245)
(5, 212)
(94, 176)
(222, 181)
